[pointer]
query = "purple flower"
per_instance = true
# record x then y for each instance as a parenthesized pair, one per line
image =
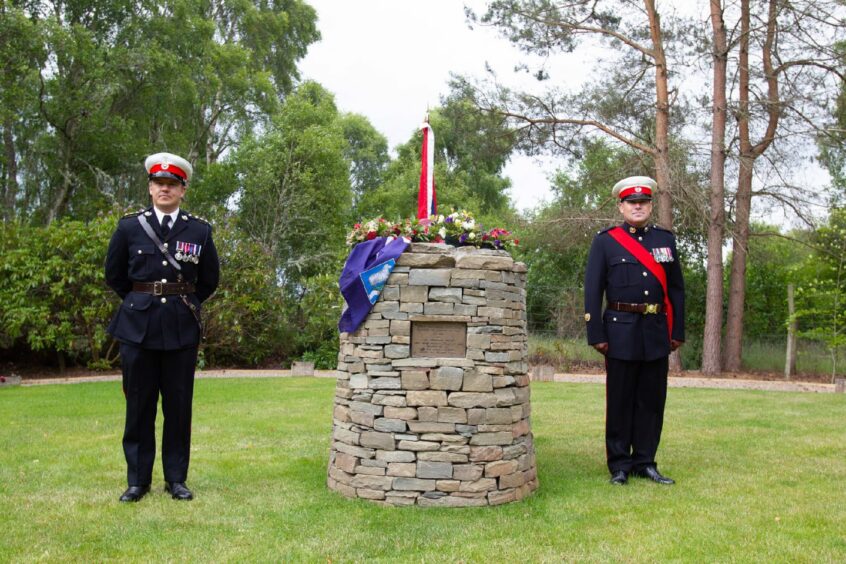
(448, 220)
(462, 237)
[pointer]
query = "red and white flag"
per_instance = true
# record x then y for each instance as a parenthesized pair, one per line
(426, 203)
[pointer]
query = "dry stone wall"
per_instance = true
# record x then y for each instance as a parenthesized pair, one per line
(437, 431)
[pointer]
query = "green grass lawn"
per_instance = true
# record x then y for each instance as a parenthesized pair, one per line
(760, 478)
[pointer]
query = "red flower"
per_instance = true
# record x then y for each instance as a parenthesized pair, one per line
(438, 239)
(371, 235)
(516, 241)
(357, 226)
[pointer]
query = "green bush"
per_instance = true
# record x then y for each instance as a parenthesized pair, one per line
(52, 292)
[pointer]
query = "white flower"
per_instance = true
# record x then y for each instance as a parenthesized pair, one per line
(471, 236)
(442, 231)
(469, 224)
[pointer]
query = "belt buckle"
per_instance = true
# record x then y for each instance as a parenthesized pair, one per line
(651, 308)
(157, 288)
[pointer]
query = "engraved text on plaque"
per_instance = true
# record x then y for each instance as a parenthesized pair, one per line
(438, 339)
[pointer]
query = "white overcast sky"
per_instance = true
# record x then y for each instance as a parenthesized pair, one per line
(391, 59)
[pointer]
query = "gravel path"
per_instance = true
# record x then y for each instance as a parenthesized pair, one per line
(674, 381)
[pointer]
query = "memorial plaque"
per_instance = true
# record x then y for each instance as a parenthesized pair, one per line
(438, 339)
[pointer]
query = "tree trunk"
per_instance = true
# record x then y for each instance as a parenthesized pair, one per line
(11, 191)
(662, 121)
(60, 200)
(712, 335)
(737, 278)
(748, 154)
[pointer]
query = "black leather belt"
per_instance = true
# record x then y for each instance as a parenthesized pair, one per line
(636, 308)
(164, 288)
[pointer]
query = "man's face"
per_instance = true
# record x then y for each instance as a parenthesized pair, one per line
(636, 213)
(167, 193)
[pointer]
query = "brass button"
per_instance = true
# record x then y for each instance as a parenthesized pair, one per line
(164, 280)
(644, 273)
(646, 292)
(164, 263)
(139, 251)
(164, 300)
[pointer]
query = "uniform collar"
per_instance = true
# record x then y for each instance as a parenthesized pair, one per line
(160, 215)
(635, 230)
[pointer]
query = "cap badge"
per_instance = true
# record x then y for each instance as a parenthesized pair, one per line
(165, 166)
(587, 317)
(638, 189)
(632, 230)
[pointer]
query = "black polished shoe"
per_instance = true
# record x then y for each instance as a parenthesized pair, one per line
(134, 493)
(652, 473)
(619, 478)
(178, 490)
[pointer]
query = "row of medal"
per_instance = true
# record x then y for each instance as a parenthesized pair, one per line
(662, 254)
(188, 252)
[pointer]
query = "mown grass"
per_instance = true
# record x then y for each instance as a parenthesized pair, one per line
(760, 478)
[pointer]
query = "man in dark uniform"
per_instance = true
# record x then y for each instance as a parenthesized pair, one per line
(635, 266)
(163, 263)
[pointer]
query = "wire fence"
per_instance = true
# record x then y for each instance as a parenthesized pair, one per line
(555, 319)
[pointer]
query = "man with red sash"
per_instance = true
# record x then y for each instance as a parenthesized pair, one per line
(635, 267)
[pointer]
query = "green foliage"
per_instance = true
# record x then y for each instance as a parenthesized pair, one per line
(771, 265)
(52, 292)
(366, 153)
(244, 321)
(821, 300)
(471, 149)
(315, 310)
(294, 196)
(104, 83)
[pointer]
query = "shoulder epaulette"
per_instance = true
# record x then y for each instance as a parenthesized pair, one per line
(659, 228)
(607, 229)
(133, 214)
(200, 219)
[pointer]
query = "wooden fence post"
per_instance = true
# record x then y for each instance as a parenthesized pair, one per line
(790, 361)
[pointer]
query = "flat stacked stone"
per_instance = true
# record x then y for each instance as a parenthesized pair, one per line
(450, 432)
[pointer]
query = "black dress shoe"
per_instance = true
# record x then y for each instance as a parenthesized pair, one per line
(178, 490)
(652, 473)
(619, 478)
(134, 493)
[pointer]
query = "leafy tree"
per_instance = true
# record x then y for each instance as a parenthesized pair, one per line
(471, 150)
(821, 301)
(773, 260)
(117, 80)
(294, 188)
(367, 153)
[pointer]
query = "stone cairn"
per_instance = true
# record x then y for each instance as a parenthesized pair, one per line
(412, 429)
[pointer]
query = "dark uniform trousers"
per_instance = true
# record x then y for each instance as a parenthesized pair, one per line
(635, 396)
(159, 336)
(638, 344)
(146, 374)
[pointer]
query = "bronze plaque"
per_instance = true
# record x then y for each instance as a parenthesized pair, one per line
(438, 339)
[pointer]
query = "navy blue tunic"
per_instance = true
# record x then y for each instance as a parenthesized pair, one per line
(159, 322)
(614, 273)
